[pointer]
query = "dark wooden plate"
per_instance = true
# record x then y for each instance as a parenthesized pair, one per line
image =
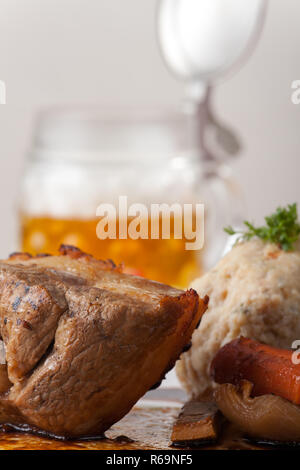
(142, 428)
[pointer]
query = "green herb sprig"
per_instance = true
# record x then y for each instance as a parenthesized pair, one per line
(281, 228)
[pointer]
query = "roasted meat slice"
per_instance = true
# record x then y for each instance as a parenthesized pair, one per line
(30, 301)
(84, 341)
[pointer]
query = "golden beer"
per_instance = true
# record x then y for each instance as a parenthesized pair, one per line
(164, 260)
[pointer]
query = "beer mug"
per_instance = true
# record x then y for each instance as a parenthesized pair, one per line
(84, 161)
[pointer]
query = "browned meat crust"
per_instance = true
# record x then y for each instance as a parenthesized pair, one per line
(84, 341)
(198, 423)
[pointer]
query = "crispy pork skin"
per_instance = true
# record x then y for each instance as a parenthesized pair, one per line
(84, 341)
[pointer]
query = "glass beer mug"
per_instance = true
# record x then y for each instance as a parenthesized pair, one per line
(82, 159)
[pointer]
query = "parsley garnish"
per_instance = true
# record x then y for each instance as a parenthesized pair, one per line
(281, 228)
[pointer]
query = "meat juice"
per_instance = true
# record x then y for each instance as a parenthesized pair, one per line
(163, 260)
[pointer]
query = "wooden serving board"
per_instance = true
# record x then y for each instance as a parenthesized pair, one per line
(142, 429)
(148, 426)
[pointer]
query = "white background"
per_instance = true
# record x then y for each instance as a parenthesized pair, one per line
(105, 52)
